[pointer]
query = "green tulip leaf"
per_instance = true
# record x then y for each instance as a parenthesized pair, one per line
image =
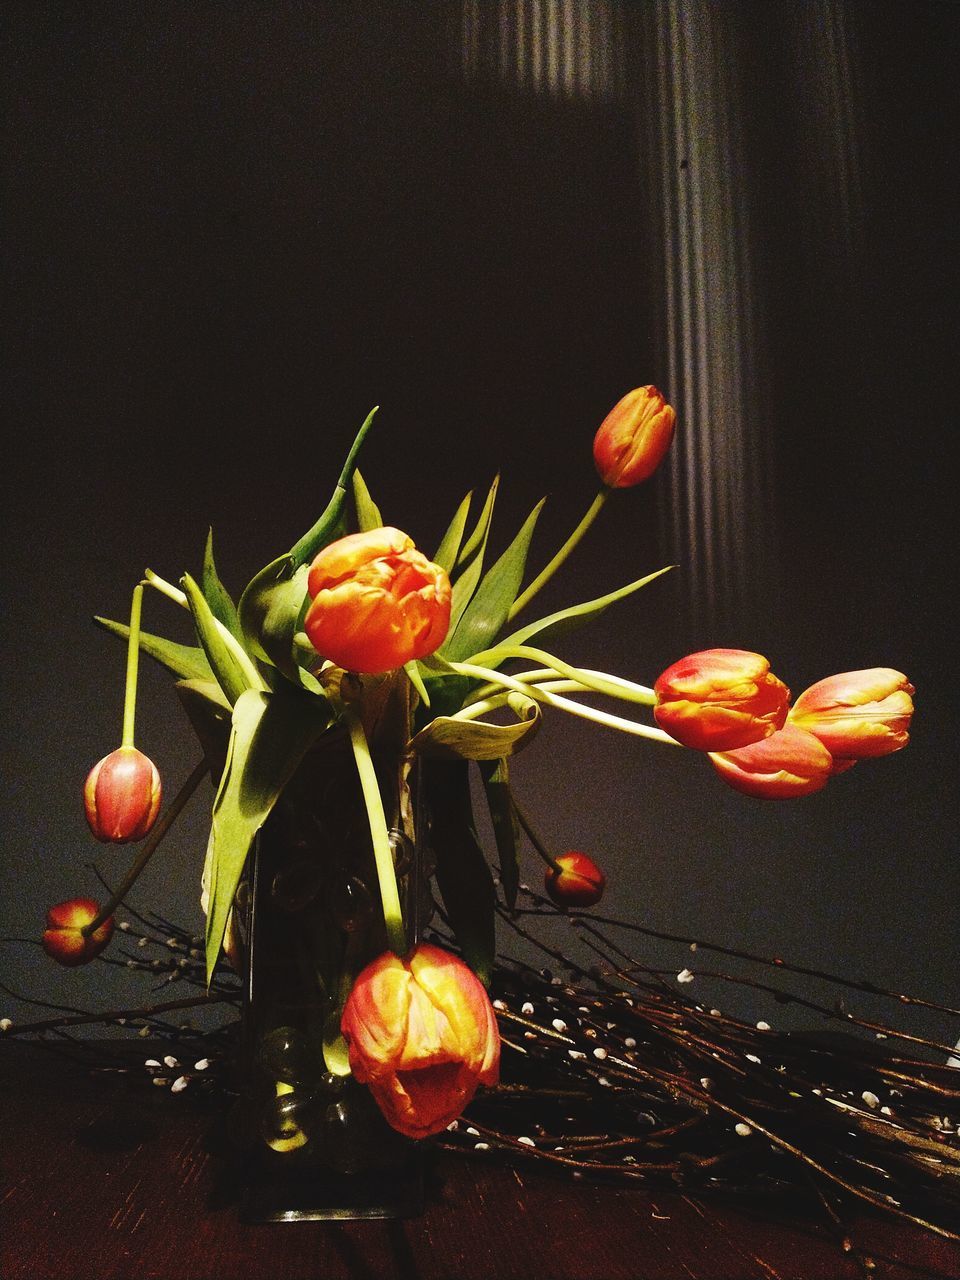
(449, 549)
(185, 661)
(267, 602)
(469, 563)
(446, 737)
(490, 607)
(215, 593)
(506, 828)
(412, 669)
(368, 513)
(559, 624)
(209, 714)
(270, 734)
(463, 877)
(230, 669)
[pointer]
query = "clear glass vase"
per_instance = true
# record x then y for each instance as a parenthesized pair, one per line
(315, 1143)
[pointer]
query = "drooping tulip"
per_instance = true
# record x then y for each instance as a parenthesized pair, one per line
(579, 883)
(63, 940)
(377, 602)
(121, 796)
(720, 700)
(422, 1035)
(857, 714)
(791, 762)
(633, 438)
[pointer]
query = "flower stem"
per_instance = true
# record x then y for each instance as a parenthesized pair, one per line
(133, 657)
(149, 848)
(547, 573)
(534, 839)
(383, 856)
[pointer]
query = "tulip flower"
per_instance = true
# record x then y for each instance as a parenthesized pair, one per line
(633, 438)
(857, 714)
(578, 883)
(121, 796)
(791, 762)
(720, 700)
(422, 1035)
(63, 939)
(377, 602)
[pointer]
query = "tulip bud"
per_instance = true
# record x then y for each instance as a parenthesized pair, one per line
(633, 438)
(791, 762)
(63, 940)
(720, 700)
(377, 602)
(422, 1035)
(580, 883)
(857, 714)
(121, 796)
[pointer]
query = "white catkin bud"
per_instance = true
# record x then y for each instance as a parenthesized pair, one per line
(559, 1024)
(742, 1130)
(481, 1146)
(600, 1053)
(527, 1142)
(870, 1099)
(684, 976)
(526, 1007)
(5, 1024)
(179, 1084)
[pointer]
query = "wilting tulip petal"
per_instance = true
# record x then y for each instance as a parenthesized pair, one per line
(422, 1035)
(580, 883)
(858, 714)
(791, 762)
(121, 796)
(633, 438)
(720, 700)
(62, 938)
(377, 602)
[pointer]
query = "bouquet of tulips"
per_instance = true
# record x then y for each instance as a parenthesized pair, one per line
(352, 612)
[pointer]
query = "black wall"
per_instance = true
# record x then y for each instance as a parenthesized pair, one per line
(230, 229)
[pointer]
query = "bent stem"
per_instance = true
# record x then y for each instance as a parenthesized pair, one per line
(547, 573)
(551, 862)
(149, 848)
(133, 655)
(383, 856)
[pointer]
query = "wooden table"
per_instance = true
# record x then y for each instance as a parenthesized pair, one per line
(106, 1179)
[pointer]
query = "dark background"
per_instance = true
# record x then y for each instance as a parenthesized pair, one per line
(230, 229)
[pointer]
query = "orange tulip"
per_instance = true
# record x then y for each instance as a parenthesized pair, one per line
(377, 602)
(121, 796)
(580, 883)
(422, 1035)
(62, 938)
(791, 762)
(633, 438)
(857, 714)
(720, 700)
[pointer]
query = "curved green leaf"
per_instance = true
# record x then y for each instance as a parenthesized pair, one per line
(469, 563)
(229, 669)
(187, 662)
(566, 620)
(490, 607)
(446, 737)
(449, 549)
(215, 593)
(368, 513)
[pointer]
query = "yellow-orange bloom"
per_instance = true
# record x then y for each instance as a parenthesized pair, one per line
(720, 700)
(422, 1035)
(633, 438)
(791, 762)
(121, 796)
(857, 714)
(377, 602)
(62, 938)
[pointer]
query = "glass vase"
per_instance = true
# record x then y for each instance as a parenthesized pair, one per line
(315, 1143)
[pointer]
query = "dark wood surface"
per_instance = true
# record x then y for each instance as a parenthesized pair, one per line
(105, 1177)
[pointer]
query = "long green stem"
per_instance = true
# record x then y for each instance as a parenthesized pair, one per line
(551, 700)
(133, 656)
(598, 681)
(163, 825)
(547, 573)
(382, 853)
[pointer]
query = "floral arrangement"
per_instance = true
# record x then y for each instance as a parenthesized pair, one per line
(355, 632)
